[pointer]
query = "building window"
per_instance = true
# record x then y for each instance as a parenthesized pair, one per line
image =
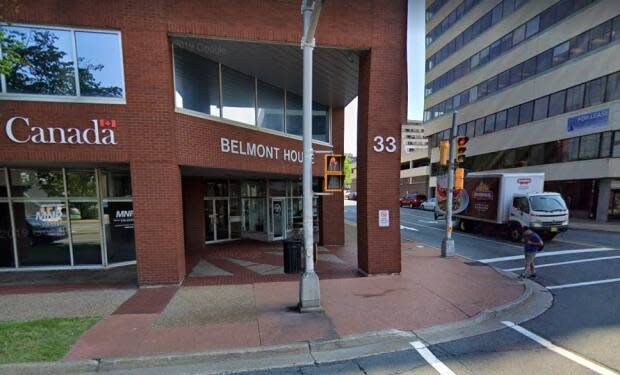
(599, 36)
(500, 120)
(616, 148)
(479, 127)
(570, 149)
(579, 44)
(471, 129)
(574, 98)
(270, 107)
(525, 112)
(48, 61)
(560, 53)
(294, 114)
(595, 92)
(529, 68)
(238, 98)
(589, 146)
(197, 83)
(512, 117)
(544, 61)
(489, 124)
(541, 106)
(556, 103)
(606, 140)
(320, 122)
(532, 27)
(613, 87)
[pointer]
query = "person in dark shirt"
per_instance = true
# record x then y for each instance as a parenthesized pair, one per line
(532, 243)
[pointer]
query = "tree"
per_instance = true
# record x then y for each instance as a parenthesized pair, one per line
(10, 58)
(347, 171)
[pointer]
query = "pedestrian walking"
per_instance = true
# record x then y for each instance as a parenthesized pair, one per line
(532, 243)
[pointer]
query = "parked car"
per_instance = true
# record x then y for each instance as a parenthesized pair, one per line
(353, 196)
(429, 205)
(412, 200)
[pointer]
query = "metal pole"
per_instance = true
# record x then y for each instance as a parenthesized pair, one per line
(447, 245)
(309, 291)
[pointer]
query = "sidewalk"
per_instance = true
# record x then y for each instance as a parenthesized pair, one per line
(585, 224)
(430, 291)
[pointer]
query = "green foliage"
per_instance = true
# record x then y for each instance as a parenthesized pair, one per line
(40, 340)
(10, 56)
(347, 170)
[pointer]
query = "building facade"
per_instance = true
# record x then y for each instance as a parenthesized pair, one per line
(137, 133)
(414, 161)
(537, 88)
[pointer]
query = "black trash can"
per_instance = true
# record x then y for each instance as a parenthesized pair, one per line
(292, 256)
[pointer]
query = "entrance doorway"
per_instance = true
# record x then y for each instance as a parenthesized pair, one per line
(278, 220)
(217, 223)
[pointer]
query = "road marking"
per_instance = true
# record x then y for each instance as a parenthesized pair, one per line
(548, 254)
(408, 228)
(563, 263)
(431, 359)
(429, 221)
(596, 282)
(465, 235)
(561, 351)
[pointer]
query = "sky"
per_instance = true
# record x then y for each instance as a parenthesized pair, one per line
(415, 76)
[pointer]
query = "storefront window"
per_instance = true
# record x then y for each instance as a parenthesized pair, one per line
(115, 183)
(37, 183)
(216, 188)
(277, 188)
(253, 188)
(119, 231)
(81, 183)
(6, 237)
(42, 233)
(254, 215)
(85, 232)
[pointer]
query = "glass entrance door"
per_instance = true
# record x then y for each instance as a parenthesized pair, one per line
(216, 220)
(277, 218)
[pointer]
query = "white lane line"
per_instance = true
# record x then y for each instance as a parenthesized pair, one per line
(561, 351)
(431, 359)
(563, 263)
(464, 235)
(408, 228)
(586, 283)
(548, 254)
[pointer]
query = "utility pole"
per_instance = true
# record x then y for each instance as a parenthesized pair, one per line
(309, 290)
(447, 245)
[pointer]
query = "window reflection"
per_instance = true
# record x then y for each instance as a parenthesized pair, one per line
(100, 70)
(37, 183)
(238, 96)
(85, 232)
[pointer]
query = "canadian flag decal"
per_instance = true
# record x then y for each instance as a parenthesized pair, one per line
(107, 123)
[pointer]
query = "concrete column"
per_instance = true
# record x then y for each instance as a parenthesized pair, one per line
(332, 206)
(602, 205)
(193, 213)
(381, 111)
(158, 218)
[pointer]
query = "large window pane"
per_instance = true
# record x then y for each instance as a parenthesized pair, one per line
(46, 64)
(560, 53)
(81, 183)
(515, 74)
(544, 61)
(42, 234)
(489, 124)
(529, 68)
(100, 69)
(541, 106)
(320, 122)
(589, 146)
(599, 36)
(616, 148)
(595, 91)
(270, 107)
(525, 112)
(579, 44)
(238, 94)
(500, 120)
(503, 79)
(556, 103)
(6, 237)
(119, 231)
(197, 83)
(606, 139)
(613, 87)
(115, 183)
(570, 149)
(513, 117)
(471, 129)
(532, 27)
(37, 183)
(294, 114)
(518, 35)
(615, 29)
(479, 127)
(85, 232)
(3, 188)
(574, 98)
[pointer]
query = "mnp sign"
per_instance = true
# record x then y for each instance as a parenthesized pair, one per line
(592, 120)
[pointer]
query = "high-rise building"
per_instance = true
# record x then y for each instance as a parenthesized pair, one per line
(537, 88)
(414, 161)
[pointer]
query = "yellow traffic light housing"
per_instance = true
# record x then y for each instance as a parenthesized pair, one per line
(444, 152)
(459, 178)
(461, 142)
(333, 173)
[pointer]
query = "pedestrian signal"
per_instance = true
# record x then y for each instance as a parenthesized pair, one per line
(333, 173)
(459, 178)
(444, 152)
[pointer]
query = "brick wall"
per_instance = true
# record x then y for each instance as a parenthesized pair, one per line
(193, 213)
(332, 206)
(155, 140)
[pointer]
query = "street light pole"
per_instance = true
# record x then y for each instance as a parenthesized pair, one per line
(309, 291)
(447, 245)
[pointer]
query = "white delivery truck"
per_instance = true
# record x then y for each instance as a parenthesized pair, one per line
(509, 202)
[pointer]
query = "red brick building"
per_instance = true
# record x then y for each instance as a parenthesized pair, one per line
(140, 131)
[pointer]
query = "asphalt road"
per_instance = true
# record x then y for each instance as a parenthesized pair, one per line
(579, 334)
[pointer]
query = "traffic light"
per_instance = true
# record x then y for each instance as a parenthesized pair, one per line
(333, 173)
(461, 142)
(444, 152)
(459, 178)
